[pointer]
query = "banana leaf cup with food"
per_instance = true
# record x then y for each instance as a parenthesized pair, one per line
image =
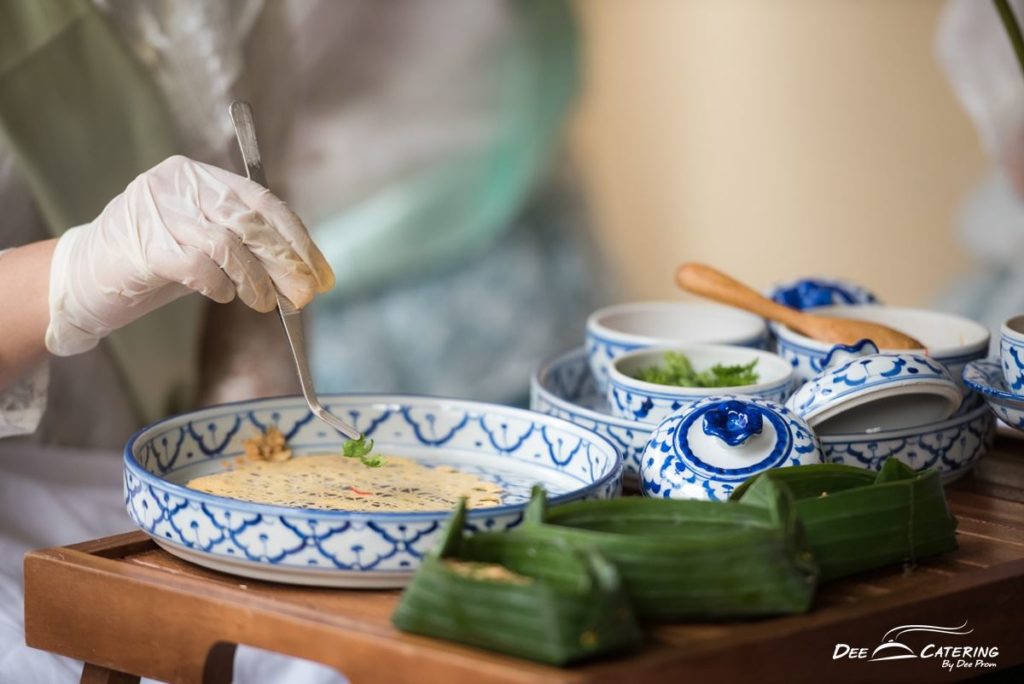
(544, 600)
(857, 520)
(683, 559)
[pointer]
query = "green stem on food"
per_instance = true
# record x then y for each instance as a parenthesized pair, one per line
(1012, 29)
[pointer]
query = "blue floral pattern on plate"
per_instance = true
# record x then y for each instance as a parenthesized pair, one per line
(564, 387)
(512, 447)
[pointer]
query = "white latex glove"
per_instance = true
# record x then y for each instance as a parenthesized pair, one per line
(182, 226)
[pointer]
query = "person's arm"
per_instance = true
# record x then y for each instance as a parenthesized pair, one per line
(24, 313)
(180, 227)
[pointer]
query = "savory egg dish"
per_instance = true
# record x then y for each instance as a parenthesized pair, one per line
(270, 474)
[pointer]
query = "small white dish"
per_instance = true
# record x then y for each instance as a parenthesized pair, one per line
(950, 340)
(1011, 353)
(865, 391)
(986, 378)
(648, 402)
(615, 330)
(708, 449)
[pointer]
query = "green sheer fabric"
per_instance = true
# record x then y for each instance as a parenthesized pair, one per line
(447, 212)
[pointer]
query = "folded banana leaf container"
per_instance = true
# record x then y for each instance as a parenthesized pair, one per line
(690, 559)
(857, 520)
(519, 595)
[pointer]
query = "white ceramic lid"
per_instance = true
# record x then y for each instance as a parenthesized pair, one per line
(861, 390)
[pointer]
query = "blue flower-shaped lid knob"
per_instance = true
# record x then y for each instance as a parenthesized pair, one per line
(711, 446)
(733, 422)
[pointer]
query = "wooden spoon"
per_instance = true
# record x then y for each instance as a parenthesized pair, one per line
(708, 282)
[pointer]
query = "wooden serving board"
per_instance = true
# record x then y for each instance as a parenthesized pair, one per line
(124, 606)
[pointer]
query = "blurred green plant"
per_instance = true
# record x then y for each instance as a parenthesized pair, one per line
(1012, 29)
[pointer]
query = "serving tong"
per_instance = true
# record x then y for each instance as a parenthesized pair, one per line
(291, 316)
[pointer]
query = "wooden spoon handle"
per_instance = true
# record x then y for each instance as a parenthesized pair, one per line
(708, 282)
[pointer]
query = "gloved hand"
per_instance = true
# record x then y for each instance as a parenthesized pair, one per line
(182, 226)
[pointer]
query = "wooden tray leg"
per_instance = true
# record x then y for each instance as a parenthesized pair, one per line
(220, 664)
(94, 674)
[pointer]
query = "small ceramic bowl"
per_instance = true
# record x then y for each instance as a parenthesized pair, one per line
(615, 330)
(811, 293)
(951, 446)
(866, 391)
(647, 402)
(986, 378)
(708, 449)
(950, 340)
(1011, 353)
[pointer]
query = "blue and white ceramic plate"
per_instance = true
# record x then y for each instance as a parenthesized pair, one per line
(564, 387)
(986, 378)
(512, 447)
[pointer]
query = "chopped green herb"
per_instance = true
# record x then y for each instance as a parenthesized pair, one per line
(361, 448)
(679, 372)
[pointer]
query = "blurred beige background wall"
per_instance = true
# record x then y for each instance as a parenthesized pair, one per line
(773, 138)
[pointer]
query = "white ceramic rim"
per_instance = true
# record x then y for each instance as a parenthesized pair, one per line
(596, 328)
(131, 464)
(939, 353)
(1013, 328)
(617, 377)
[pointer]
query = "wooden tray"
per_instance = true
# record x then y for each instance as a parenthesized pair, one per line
(124, 606)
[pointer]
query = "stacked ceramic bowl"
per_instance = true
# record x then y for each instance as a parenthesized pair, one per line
(574, 385)
(952, 444)
(857, 405)
(1001, 381)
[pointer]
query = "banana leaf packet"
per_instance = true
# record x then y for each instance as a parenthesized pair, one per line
(856, 519)
(683, 559)
(549, 602)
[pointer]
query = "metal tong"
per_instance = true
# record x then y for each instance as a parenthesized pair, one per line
(245, 131)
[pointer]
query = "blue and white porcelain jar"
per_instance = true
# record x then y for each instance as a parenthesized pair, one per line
(708, 449)
(863, 391)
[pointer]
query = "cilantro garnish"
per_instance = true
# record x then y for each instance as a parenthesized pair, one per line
(679, 372)
(361, 448)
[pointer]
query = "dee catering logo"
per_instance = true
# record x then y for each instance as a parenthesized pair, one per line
(943, 645)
